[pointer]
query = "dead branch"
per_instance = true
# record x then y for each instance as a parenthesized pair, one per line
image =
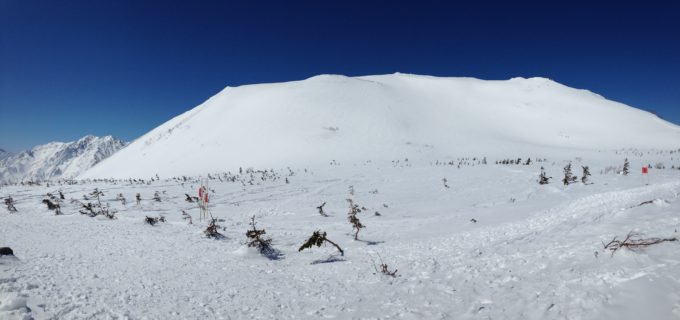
(634, 241)
(320, 208)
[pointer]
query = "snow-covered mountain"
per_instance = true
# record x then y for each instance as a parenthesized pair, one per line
(333, 117)
(58, 159)
(4, 154)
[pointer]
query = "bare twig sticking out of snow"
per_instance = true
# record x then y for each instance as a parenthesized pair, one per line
(383, 268)
(320, 208)
(634, 241)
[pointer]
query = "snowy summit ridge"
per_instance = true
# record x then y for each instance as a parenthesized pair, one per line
(58, 159)
(335, 117)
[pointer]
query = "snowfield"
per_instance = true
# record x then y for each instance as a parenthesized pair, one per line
(493, 245)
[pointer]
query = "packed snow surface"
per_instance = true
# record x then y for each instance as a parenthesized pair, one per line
(494, 244)
(57, 159)
(332, 117)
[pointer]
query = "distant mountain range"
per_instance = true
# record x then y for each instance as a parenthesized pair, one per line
(57, 159)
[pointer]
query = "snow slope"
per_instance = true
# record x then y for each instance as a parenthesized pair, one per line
(532, 252)
(332, 117)
(58, 159)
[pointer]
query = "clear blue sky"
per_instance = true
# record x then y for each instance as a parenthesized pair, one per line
(71, 68)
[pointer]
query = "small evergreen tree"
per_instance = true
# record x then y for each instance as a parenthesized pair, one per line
(317, 239)
(211, 230)
(568, 176)
(543, 178)
(353, 219)
(257, 239)
(626, 166)
(121, 198)
(586, 174)
(52, 206)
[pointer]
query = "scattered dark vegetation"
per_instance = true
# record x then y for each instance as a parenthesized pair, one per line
(97, 209)
(154, 220)
(317, 239)
(634, 241)
(445, 183)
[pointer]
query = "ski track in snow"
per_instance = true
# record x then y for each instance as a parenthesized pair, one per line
(530, 258)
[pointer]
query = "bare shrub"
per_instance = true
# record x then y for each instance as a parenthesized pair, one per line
(384, 269)
(634, 241)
